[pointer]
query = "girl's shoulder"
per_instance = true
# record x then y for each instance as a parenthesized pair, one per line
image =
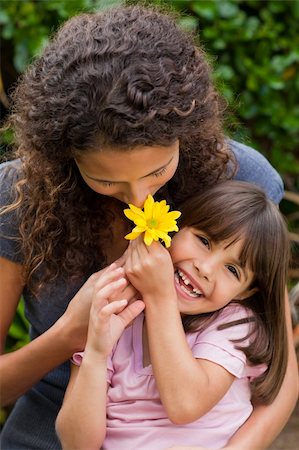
(224, 338)
(233, 322)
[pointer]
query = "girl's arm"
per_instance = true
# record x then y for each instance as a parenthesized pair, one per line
(151, 271)
(188, 387)
(21, 369)
(266, 422)
(81, 422)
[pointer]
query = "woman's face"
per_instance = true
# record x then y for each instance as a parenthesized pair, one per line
(129, 176)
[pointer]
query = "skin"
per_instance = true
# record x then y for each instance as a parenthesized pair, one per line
(212, 269)
(21, 369)
(129, 176)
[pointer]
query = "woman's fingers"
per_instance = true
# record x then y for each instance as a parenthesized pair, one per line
(108, 276)
(113, 308)
(110, 290)
(127, 313)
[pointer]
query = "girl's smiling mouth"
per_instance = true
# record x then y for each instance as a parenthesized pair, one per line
(186, 286)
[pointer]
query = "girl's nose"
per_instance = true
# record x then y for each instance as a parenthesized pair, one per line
(205, 268)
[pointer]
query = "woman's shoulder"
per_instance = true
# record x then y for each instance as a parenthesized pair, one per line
(255, 168)
(10, 172)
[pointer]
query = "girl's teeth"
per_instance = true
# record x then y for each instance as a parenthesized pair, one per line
(191, 294)
(184, 278)
(195, 292)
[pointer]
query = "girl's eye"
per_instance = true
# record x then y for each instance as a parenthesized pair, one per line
(234, 271)
(205, 241)
(160, 172)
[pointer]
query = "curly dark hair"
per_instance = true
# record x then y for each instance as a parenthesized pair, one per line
(122, 78)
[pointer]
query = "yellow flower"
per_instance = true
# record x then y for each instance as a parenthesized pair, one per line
(154, 221)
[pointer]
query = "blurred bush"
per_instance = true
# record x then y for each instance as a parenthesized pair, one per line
(254, 47)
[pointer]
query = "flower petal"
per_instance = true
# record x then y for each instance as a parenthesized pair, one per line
(133, 216)
(148, 239)
(136, 210)
(155, 221)
(133, 235)
(148, 207)
(173, 215)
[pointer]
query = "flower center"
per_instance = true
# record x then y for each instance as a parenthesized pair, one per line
(152, 223)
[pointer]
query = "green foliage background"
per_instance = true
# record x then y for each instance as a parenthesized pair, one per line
(253, 46)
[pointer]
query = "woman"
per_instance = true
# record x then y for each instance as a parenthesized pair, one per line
(119, 105)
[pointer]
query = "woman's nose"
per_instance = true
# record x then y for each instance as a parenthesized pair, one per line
(137, 197)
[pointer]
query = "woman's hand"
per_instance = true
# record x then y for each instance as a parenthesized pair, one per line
(108, 319)
(150, 270)
(74, 322)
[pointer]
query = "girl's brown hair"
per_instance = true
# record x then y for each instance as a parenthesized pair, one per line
(122, 78)
(238, 210)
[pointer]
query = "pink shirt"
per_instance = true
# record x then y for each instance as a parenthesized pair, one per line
(136, 419)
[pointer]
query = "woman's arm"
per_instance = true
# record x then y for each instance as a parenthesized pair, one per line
(81, 422)
(21, 369)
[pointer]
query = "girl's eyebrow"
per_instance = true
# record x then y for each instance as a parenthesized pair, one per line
(145, 176)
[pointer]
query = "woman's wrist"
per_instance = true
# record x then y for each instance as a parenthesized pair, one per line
(67, 336)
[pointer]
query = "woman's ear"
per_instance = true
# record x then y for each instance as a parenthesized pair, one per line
(246, 294)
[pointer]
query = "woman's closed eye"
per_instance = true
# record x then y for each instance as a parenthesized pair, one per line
(106, 183)
(160, 172)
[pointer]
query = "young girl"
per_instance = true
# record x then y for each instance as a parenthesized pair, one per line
(230, 260)
(119, 105)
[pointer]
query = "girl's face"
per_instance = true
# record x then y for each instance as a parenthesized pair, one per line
(129, 176)
(208, 275)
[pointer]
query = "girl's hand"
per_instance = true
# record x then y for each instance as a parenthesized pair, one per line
(108, 319)
(150, 269)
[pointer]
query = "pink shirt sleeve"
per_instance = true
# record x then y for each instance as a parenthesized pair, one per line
(217, 346)
(78, 357)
